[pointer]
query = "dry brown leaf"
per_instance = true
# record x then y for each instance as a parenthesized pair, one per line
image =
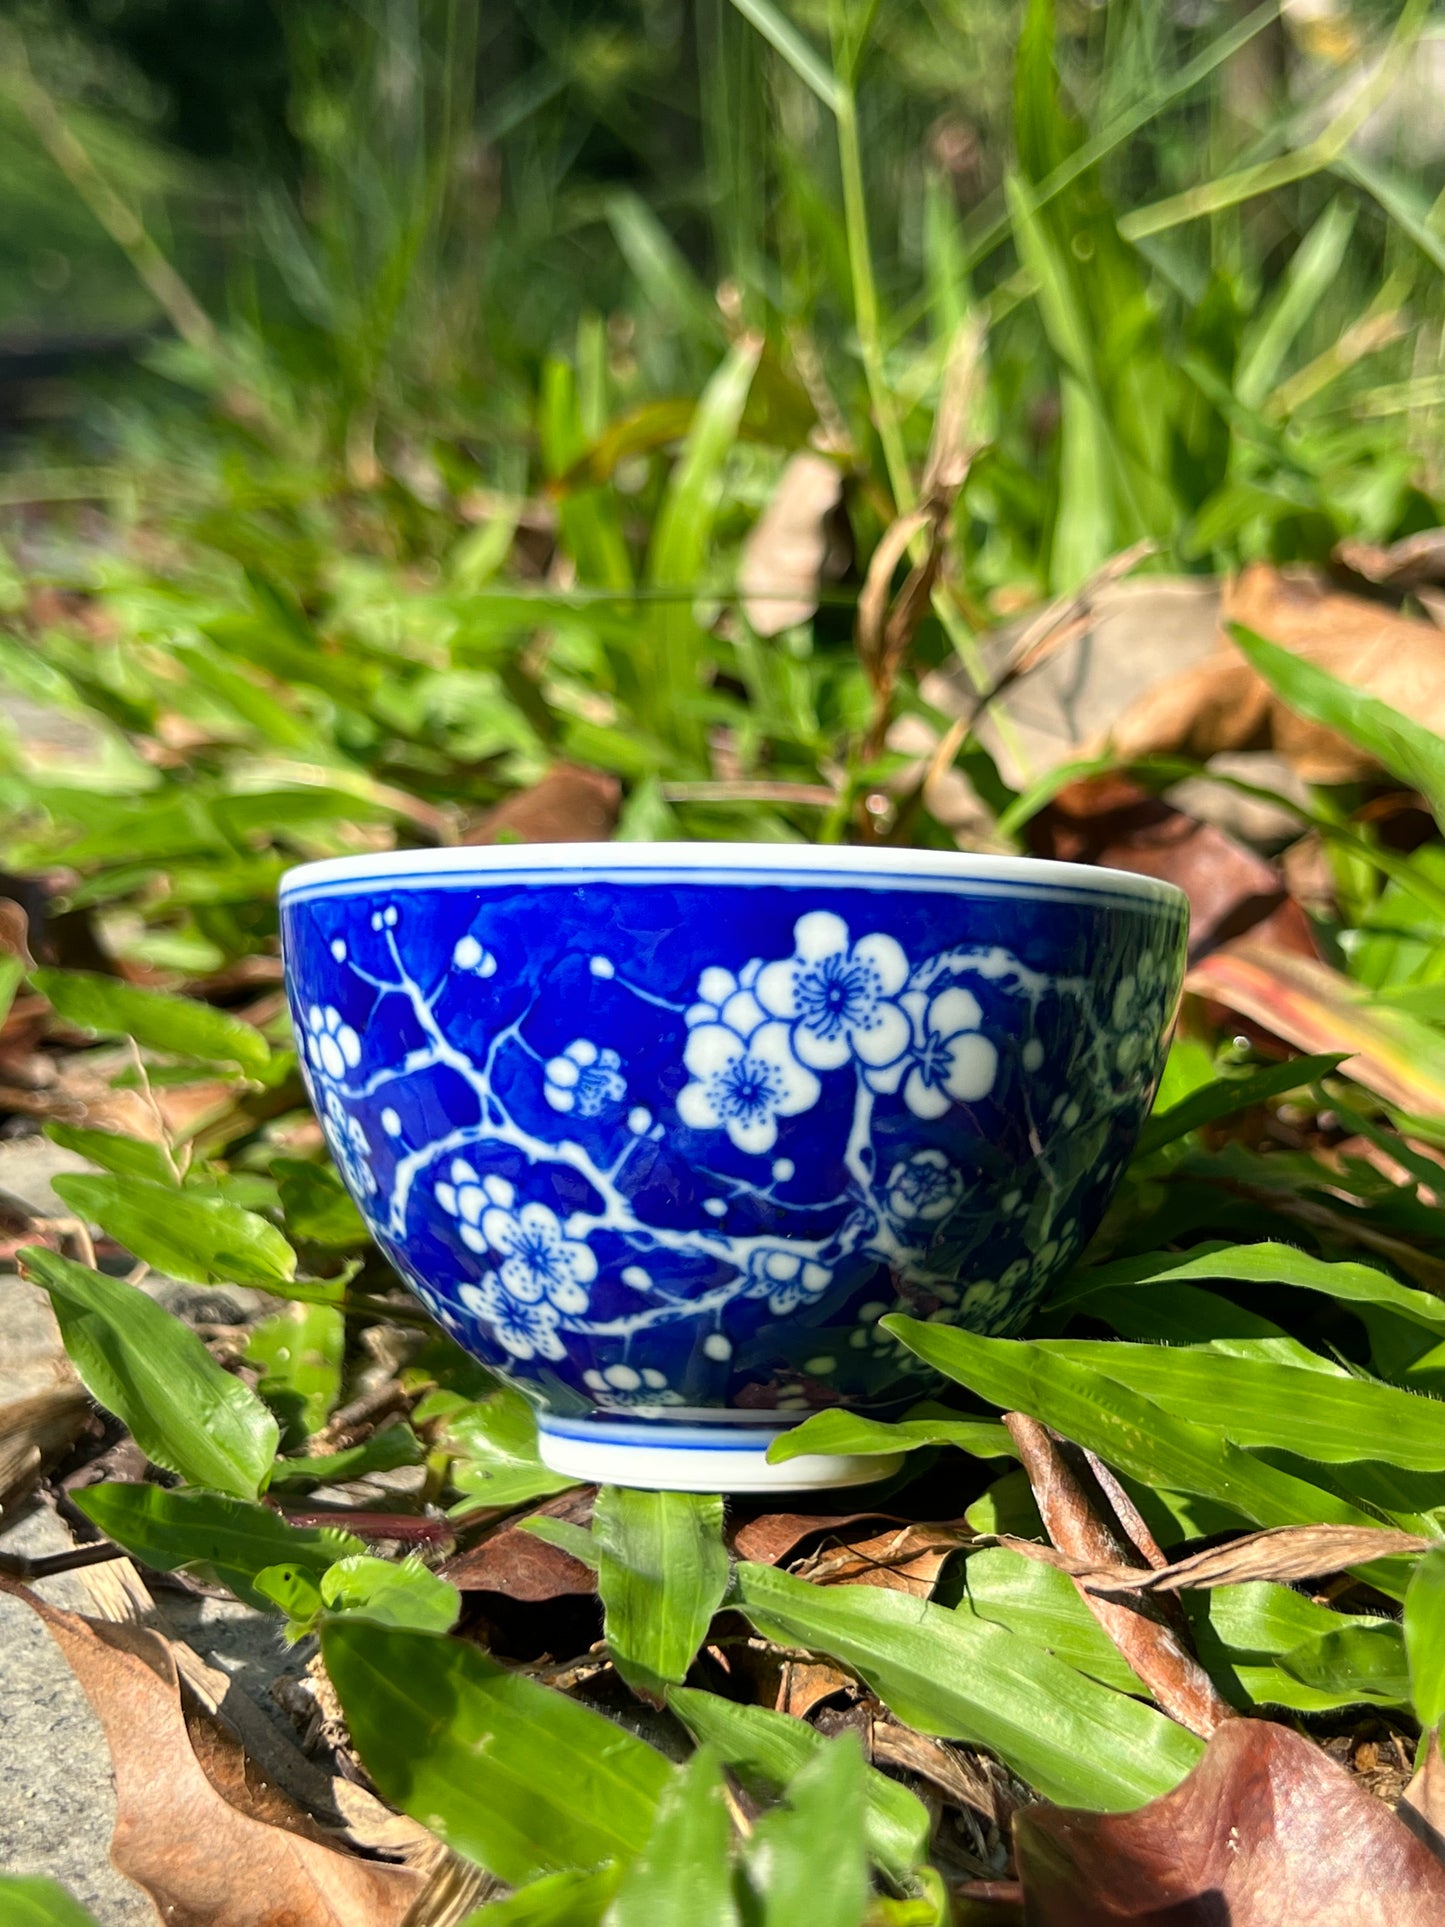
(788, 547)
(1407, 564)
(571, 804)
(1267, 1831)
(1316, 1008)
(1222, 704)
(806, 1683)
(956, 1777)
(1282, 1553)
(1113, 821)
(906, 1558)
(768, 1539)
(516, 1562)
(176, 1836)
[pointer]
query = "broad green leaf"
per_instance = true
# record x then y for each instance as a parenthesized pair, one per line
(577, 1541)
(130, 1157)
(662, 1574)
(513, 1775)
(32, 1901)
(299, 1352)
(394, 1592)
(1127, 1430)
(850, 1432)
(948, 1673)
(384, 1451)
(1228, 1095)
(205, 1241)
(1260, 1264)
(1237, 1629)
(494, 1446)
(1406, 748)
(138, 1361)
(1425, 1638)
(571, 1899)
(207, 1533)
(806, 1860)
(317, 1206)
(770, 1747)
(684, 1873)
(1259, 1402)
(154, 1018)
(1364, 1664)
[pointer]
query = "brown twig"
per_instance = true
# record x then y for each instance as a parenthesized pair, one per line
(1080, 1521)
(15, 1565)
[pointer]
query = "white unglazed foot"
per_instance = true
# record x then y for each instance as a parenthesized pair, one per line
(697, 1458)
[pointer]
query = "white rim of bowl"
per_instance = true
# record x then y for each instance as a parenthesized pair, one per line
(826, 862)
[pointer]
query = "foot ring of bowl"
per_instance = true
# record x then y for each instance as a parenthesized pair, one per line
(699, 1459)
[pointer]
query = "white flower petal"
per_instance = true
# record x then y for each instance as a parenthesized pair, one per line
(559, 1100)
(823, 1053)
(696, 1108)
(743, 1013)
(815, 1277)
(711, 1050)
(924, 1100)
(973, 1065)
(446, 1197)
(797, 1088)
(582, 1261)
(568, 1296)
(561, 1071)
(887, 957)
(754, 1135)
(350, 1045)
(521, 1281)
(885, 1037)
(472, 1238)
(332, 1062)
(819, 934)
(501, 1191)
(696, 1014)
(748, 975)
(776, 988)
(471, 1202)
(886, 1077)
(501, 1230)
(716, 985)
(582, 1051)
(954, 1010)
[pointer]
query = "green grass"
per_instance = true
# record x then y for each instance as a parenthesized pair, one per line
(444, 494)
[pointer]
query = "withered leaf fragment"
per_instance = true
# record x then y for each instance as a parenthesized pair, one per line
(1267, 1831)
(203, 1860)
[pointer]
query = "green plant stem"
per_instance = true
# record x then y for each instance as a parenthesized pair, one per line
(865, 299)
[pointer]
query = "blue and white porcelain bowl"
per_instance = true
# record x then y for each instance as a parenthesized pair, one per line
(661, 1131)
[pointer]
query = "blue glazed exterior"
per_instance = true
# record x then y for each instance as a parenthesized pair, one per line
(664, 1142)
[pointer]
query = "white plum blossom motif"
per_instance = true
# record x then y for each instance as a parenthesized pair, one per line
(786, 1280)
(584, 1079)
(525, 1330)
(839, 999)
(950, 1061)
(538, 1261)
(348, 1145)
(744, 1084)
(725, 999)
(924, 1187)
(628, 1388)
(331, 1045)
